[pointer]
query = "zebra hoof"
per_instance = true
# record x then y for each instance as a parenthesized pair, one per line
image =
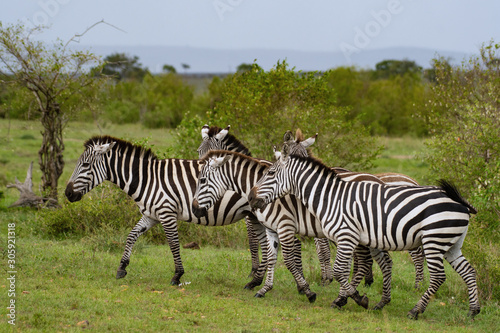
(473, 312)
(413, 314)
(174, 282)
(312, 297)
(361, 301)
(380, 305)
(339, 302)
(259, 295)
(121, 273)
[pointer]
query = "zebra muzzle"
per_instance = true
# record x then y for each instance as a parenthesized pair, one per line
(71, 194)
(197, 210)
(255, 202)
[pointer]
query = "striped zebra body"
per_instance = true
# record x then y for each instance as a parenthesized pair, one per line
(300, 147)
(215, 138)
(162, 189)
(228, 171)
(390, 218)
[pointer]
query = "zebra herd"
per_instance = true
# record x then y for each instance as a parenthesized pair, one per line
(364, 215)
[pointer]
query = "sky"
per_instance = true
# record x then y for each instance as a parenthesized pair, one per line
(323, 25)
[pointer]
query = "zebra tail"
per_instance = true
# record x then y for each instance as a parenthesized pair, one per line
(453, 193)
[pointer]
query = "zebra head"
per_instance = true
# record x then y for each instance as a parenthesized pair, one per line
(214, 138)
(275, 183)
(298, 146)
(90, 169)
(211, 184)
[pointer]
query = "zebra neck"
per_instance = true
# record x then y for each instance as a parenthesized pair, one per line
(243, 177)
(315, 188)
(129, 170)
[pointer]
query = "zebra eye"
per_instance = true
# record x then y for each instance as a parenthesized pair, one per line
(85, 164)
(271, 172)
(203, 181)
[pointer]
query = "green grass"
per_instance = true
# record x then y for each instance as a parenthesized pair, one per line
(401, 155)
(61, 284)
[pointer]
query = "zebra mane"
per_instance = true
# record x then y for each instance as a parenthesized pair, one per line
(218, 153)
(314, 162)
(120, 145)
(230, 140)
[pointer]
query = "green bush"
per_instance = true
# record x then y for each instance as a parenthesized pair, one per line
(157, 101)
(106, 207)
(260, 106)
(465, 148)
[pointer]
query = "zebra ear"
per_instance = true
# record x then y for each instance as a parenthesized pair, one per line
(285, 152)
(277, 153)
(309, 142)
(217, 162)
(222, 134)
(204, 132)
(288, 136)
(103, 149)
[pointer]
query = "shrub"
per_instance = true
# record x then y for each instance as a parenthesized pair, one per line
(260, 106)
(465, 148)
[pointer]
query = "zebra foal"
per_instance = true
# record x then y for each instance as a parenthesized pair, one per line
(390, 218)
(163, 191)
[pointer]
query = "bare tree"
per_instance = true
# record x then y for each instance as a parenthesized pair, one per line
(54, 75)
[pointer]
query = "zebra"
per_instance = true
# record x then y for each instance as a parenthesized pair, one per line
(299, 146)
(230, 171)
(215, 138)
(391, 218)
(163, 190)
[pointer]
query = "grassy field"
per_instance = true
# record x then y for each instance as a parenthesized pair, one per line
(68, 284)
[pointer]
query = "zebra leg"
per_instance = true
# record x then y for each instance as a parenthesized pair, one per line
(324, 255)
(369, 273)
(141, 227)
(417, 256)
(436, 279)
(467, 272)
(341, 269)
(297, 259)
(272, 255)
(170, 228)
(253, 246)
(287, 240)
(258, 277)
(384, 261)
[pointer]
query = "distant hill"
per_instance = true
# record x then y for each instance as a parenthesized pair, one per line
(205, 60)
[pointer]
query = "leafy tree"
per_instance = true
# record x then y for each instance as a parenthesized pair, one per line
(54, 76)
(244, 67)
(389, 68)
(157, 101)
(465, 148)
(123, 67)
(260, 106)
(169, 69)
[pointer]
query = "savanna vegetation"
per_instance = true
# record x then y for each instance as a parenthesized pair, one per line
(439, 122)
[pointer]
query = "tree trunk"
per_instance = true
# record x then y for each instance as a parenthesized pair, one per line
(27, 198)
(50, 155)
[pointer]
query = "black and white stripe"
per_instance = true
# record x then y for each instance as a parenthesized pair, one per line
(390, 218)
(228, 171)
(163, 190)
(299, 146)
